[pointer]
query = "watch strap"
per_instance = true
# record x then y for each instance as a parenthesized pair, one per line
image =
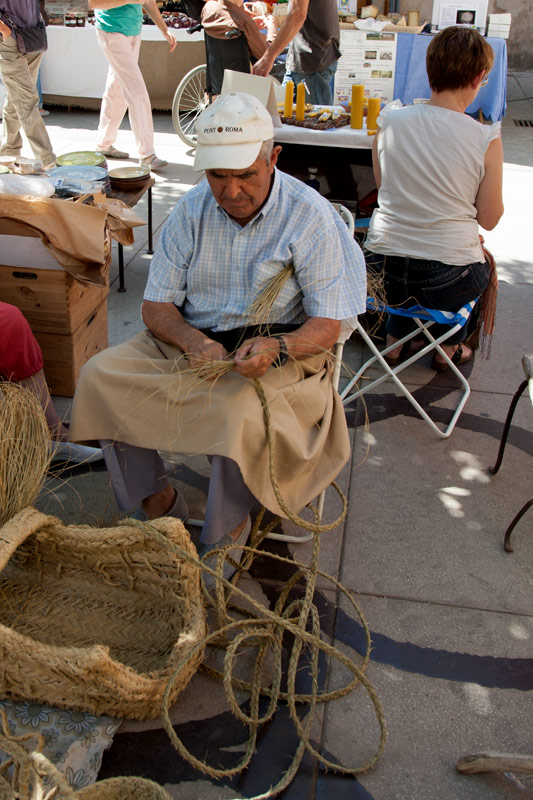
(283, 355)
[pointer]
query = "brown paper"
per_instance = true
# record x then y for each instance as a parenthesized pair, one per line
(121, 219)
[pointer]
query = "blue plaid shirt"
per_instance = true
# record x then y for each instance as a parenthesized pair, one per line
(213, 269)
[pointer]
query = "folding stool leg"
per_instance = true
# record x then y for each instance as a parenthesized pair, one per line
(392, 372)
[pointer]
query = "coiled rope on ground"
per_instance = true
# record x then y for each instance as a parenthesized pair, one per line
(237, 628)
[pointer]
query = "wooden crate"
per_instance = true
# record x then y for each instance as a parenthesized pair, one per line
(65, 354)
(51, 300)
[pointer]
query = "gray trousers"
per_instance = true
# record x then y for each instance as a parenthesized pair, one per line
(137, 473)
(21, 107)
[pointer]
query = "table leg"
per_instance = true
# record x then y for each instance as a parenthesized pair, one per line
(150, 242)
(121, 287)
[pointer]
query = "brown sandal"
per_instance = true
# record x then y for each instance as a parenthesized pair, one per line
(459, 357)
(406, 352)
(393, 361)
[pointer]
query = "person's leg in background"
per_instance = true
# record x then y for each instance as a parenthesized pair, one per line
(21, 109)
(432, 284)
(125, 89)
(42, 111)
(114, 105)
(319, 85)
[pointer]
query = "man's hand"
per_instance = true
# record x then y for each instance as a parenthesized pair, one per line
(200, 353)
(263, 65)
(5, 30)
(294, 20)
(255, 356)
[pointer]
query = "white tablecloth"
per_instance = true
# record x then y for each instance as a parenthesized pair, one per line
(336, 137)
(74, 65)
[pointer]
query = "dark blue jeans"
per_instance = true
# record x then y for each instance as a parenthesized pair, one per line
(319, 85)
(432, 284)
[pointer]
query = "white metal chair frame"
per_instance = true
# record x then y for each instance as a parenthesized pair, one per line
(424, 319)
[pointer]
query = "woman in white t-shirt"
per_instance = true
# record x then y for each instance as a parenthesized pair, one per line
(439, 175)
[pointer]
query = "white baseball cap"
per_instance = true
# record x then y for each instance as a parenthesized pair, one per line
(230, 132)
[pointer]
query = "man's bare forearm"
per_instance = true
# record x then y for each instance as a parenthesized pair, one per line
(314, 336)
(317, 334)
(167, 324)
(290, 27)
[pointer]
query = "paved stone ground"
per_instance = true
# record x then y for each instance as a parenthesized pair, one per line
(451, 614)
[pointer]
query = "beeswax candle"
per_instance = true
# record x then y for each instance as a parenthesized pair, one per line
(374, 105)
(300, 102)
(289, 94)
(356, 120)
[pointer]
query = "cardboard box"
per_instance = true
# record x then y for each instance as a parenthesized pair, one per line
(65, 354)
(492, 28)
(51, 300)
(500, 19)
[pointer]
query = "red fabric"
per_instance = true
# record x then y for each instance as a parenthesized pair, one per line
(20, 355)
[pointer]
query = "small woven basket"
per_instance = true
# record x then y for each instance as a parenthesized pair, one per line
(97, 619)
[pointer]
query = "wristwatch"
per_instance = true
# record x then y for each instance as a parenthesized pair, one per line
(283, 355)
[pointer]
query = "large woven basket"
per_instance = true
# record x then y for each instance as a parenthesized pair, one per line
(97, 619)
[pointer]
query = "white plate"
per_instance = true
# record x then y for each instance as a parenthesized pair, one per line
(26, 184)
(81, 173)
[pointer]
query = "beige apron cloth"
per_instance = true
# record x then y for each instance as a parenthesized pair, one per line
(135, 393)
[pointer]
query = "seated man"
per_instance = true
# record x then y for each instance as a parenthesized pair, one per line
(223, 241)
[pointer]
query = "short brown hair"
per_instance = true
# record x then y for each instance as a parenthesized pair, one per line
(455, 57)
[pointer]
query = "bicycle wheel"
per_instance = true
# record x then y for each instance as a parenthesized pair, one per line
(189, 101)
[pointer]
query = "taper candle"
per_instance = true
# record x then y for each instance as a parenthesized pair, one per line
(300, 102)
(374, 104)
(289, 95)
(356, 118)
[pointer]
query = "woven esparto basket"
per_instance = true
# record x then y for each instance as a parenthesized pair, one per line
(97, 619)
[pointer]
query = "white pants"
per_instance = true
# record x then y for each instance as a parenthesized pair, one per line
(125, 89)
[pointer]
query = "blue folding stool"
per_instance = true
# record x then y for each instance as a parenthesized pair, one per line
(424, 319)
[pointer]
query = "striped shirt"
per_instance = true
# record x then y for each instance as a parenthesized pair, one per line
(213, 269)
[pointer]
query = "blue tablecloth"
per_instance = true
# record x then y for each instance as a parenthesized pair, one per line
(411, 79)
